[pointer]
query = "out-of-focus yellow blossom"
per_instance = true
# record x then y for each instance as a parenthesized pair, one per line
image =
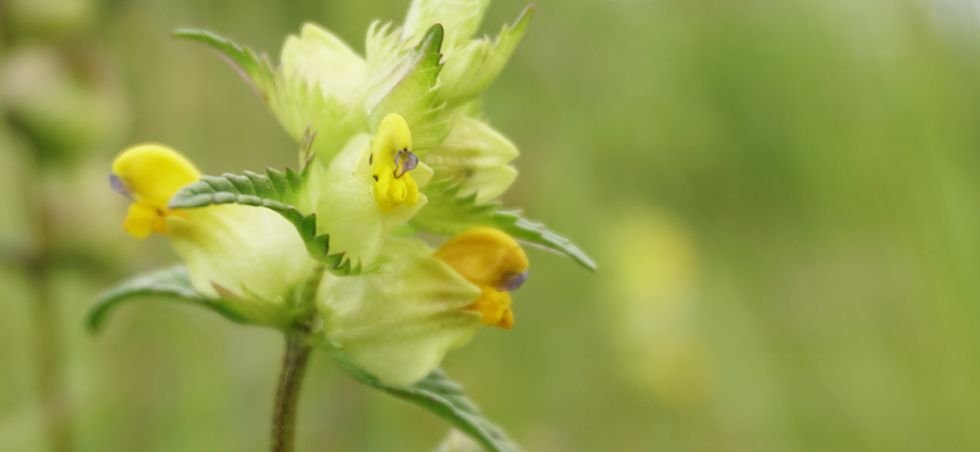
(652, 306)
(150, 174)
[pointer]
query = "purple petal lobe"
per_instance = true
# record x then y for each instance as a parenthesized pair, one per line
(514, 282)
(119, 186)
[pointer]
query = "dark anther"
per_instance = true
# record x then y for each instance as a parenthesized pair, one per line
(375, 176)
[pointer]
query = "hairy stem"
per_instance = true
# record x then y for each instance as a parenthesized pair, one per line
(287, 394)
(294, 364)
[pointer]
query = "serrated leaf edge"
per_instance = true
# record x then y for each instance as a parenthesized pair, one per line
(511, 221)
(276, 191)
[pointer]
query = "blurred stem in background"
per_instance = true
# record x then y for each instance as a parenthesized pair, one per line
(55, 404)
(35, 260)
(58, 105)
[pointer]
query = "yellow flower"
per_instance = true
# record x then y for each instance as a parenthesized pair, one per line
(228, 249)
(326, 252)
(494, 262)
(149, 174)
(369, 189)
(391, 160)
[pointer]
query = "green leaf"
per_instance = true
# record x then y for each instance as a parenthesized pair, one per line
(410, 90)
(255, 68)
(449, 213)
(173, 284)
(439, 395)
(277, 191)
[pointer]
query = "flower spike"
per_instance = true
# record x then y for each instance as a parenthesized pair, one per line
(325, 252)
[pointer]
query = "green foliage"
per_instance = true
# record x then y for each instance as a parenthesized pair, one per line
(439, 395)
(172, 284)
(277, 191)
(410, 89)
(449, 213)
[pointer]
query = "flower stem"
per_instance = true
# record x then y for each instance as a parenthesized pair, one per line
(287, 394)
(294, 364)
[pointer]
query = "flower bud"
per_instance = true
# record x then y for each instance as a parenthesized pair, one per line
(399, 321)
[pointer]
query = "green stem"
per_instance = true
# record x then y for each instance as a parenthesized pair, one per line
(287, 394)
(294, 365)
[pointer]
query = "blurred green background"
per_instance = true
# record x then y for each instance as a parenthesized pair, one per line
(782, 197)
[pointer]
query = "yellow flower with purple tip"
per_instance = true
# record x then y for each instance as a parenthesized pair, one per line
(336, 253)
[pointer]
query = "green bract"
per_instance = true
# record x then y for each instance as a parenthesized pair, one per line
(221, 247)
(399, 321)
(322, 251)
